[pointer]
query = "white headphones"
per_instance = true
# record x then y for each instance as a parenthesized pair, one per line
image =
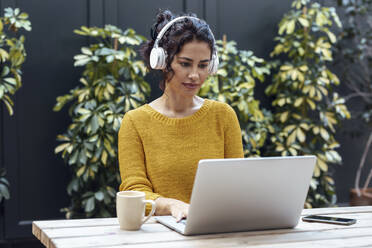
(158, 56)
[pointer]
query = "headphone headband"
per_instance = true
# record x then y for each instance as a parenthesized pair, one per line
(166, 27)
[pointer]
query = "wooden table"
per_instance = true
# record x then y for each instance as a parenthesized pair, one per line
(105, 232)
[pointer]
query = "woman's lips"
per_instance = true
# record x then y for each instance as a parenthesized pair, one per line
(190, 86)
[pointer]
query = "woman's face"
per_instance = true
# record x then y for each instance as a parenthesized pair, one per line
(190, 69)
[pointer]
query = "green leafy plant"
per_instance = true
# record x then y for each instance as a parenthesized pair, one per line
(234, 84)
(12, 53)
(4, 186)
(355, 65)
(12, 56)
(111, 84)
(306, 106)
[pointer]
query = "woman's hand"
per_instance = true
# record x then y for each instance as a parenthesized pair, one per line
(169, 206)
(179, 209)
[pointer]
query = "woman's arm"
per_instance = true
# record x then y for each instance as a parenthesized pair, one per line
(133, 172)
(233, 135)
(132, 161)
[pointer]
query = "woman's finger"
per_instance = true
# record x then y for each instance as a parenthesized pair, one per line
(179, 217)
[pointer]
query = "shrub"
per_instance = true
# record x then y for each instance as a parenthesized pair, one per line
(111, 84)
(12, 56)
(234, 84)
(307, 108)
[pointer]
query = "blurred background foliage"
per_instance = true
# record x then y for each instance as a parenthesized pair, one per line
(234, 84)
(354, 62)
(4, 186)
(306, 106)
(12, 56)
(12, 53)
(111, 84)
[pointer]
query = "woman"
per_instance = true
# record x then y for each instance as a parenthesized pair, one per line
(161, 143)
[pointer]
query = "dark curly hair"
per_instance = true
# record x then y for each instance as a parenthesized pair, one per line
(180, 33)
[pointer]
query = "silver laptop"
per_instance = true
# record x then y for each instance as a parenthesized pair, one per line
(244, 194)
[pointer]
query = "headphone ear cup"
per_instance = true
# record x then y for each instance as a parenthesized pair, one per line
(213, 65)
(157, 58)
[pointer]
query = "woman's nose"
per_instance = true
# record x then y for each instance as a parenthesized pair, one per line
(194, 74)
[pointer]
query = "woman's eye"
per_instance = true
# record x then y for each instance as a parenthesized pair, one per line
(203, 66)
(184, 64)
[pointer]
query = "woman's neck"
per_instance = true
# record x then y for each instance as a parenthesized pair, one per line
(178, 104)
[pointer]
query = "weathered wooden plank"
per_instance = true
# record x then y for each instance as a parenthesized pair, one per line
(76, 222)
(81, 222)
(346, 210)
(36, 231)
(268, 237)
(105, 231)
(113, 221)
(101, 230)
(156, 229)
(334, 243)
(44, 230)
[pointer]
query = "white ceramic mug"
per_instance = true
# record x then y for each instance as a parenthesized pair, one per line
(130, 209)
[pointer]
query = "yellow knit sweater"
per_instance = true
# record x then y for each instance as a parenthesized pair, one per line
(159, 155)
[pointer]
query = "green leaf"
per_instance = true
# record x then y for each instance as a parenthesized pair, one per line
(82, 62)
(298, 101)
(99, 195)
(94, 123)
(104, 157)
(322, 165)
(90, 204)
(284, 116)
(282, 27)
(61, 147)
(4, 56)
(5, 71)
(291, 138)
(81, 171)
(10, 80)
(83, 111)
(8, 106)
(4, 181)
(311, 103)
(23, 16)
(324, 133)
(110, 58)
(291, 26)
(301, 135)
(332, 37)
(85, 50)
(1, 92)
(304, 22)
(4, 192)
(83, 157)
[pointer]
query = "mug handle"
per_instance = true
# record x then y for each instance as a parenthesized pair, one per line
(153, 207)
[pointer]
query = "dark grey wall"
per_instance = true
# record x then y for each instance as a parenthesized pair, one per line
(37, 176)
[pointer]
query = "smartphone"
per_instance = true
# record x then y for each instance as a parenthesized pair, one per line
(329, 219)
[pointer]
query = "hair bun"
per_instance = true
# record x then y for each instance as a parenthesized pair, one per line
(165, 15)
(162, 18)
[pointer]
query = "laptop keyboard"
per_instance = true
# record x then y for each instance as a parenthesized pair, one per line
(183, 221)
